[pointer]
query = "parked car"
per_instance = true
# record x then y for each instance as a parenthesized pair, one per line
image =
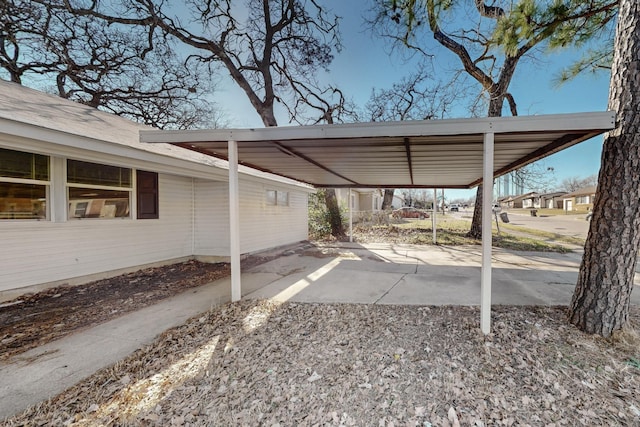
(454, 207)
(408, 212)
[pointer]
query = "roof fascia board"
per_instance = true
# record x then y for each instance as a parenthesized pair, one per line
(20, 136)
(70, 145)
(575, 121)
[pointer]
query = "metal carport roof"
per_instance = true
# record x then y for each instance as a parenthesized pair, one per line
(433, 154)
(429, 153)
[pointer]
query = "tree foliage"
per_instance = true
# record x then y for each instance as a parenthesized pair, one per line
(116, 68)
(490, 39)
(414, 97)
(271, 49)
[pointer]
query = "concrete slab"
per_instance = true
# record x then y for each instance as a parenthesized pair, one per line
(336, 281)
(422, 289)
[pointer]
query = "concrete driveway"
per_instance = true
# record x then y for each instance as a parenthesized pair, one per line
(422, 275)
(341, 273)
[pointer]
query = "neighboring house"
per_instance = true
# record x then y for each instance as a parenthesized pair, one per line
(362, 199)
(366, 203)
(552, 200)
(580, 200)
(523, 201)
(81, 197)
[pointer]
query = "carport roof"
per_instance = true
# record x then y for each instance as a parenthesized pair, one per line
(409, 154)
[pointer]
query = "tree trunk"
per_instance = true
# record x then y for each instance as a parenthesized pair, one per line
(495, 110)
(600, 303)
(335, 218)
(476, 223)
(387, 201)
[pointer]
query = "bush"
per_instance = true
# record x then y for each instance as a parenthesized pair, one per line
(319, 218)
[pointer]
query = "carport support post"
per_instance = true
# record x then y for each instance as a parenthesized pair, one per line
(487, 203)
(234, 222)
(350, 216)
(433, 219)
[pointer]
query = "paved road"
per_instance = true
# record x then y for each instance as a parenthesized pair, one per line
(568, 225)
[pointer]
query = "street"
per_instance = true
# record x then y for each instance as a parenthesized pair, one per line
(568, 225)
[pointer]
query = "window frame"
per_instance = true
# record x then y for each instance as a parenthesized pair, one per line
(273, 198)
(32, 181)
(68, 185)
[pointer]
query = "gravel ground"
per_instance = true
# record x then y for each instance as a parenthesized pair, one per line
(262, 363)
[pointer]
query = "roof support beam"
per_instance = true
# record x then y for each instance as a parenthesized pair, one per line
(487, 202)
(407, 147)
(292, 152)
(234, 222)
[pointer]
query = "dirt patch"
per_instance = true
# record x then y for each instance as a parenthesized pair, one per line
(35, 319)
(262, 363)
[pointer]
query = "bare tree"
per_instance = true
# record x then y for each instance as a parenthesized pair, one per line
(111, 67)
(574, 183)
(415, 97)
(517, 27)
(600, 303)
(271, 49)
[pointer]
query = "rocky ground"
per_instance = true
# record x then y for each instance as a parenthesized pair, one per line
(262, 363)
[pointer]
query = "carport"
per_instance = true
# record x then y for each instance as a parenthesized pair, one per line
(413, 154)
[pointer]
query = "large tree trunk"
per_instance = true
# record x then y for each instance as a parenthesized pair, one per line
(600, 303)
(387, 201)
(335, 218)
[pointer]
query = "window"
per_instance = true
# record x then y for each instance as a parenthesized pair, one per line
(147, 195)
(283, 198)
(24, 185)
(98, 191)
(582, 200)
(271, 197)
(279, 198)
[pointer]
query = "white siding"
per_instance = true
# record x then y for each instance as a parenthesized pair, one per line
(39, 252)
(262, 226)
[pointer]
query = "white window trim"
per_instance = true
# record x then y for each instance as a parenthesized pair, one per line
(131, 190)
(46, 184)
(275, 199)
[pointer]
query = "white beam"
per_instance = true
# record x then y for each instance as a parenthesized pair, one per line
(575, 121)
(487, 202)
(433, 219)
(350, 217)
(234, 222)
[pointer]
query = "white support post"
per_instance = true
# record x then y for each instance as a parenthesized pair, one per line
(433, 218)
(350, 216)
(234, 222)
(487, 202)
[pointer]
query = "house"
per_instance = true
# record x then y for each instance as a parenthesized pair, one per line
(579, 200)
(364, 202)
(552, 200)
(362, 199)
(523, 201)
(81, 197)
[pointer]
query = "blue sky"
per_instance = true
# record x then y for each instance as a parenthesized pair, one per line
(366, 62)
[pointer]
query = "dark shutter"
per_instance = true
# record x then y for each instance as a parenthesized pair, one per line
(147, 194)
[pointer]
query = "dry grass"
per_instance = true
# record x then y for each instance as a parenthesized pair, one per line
(450, 231)
(261, 363)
